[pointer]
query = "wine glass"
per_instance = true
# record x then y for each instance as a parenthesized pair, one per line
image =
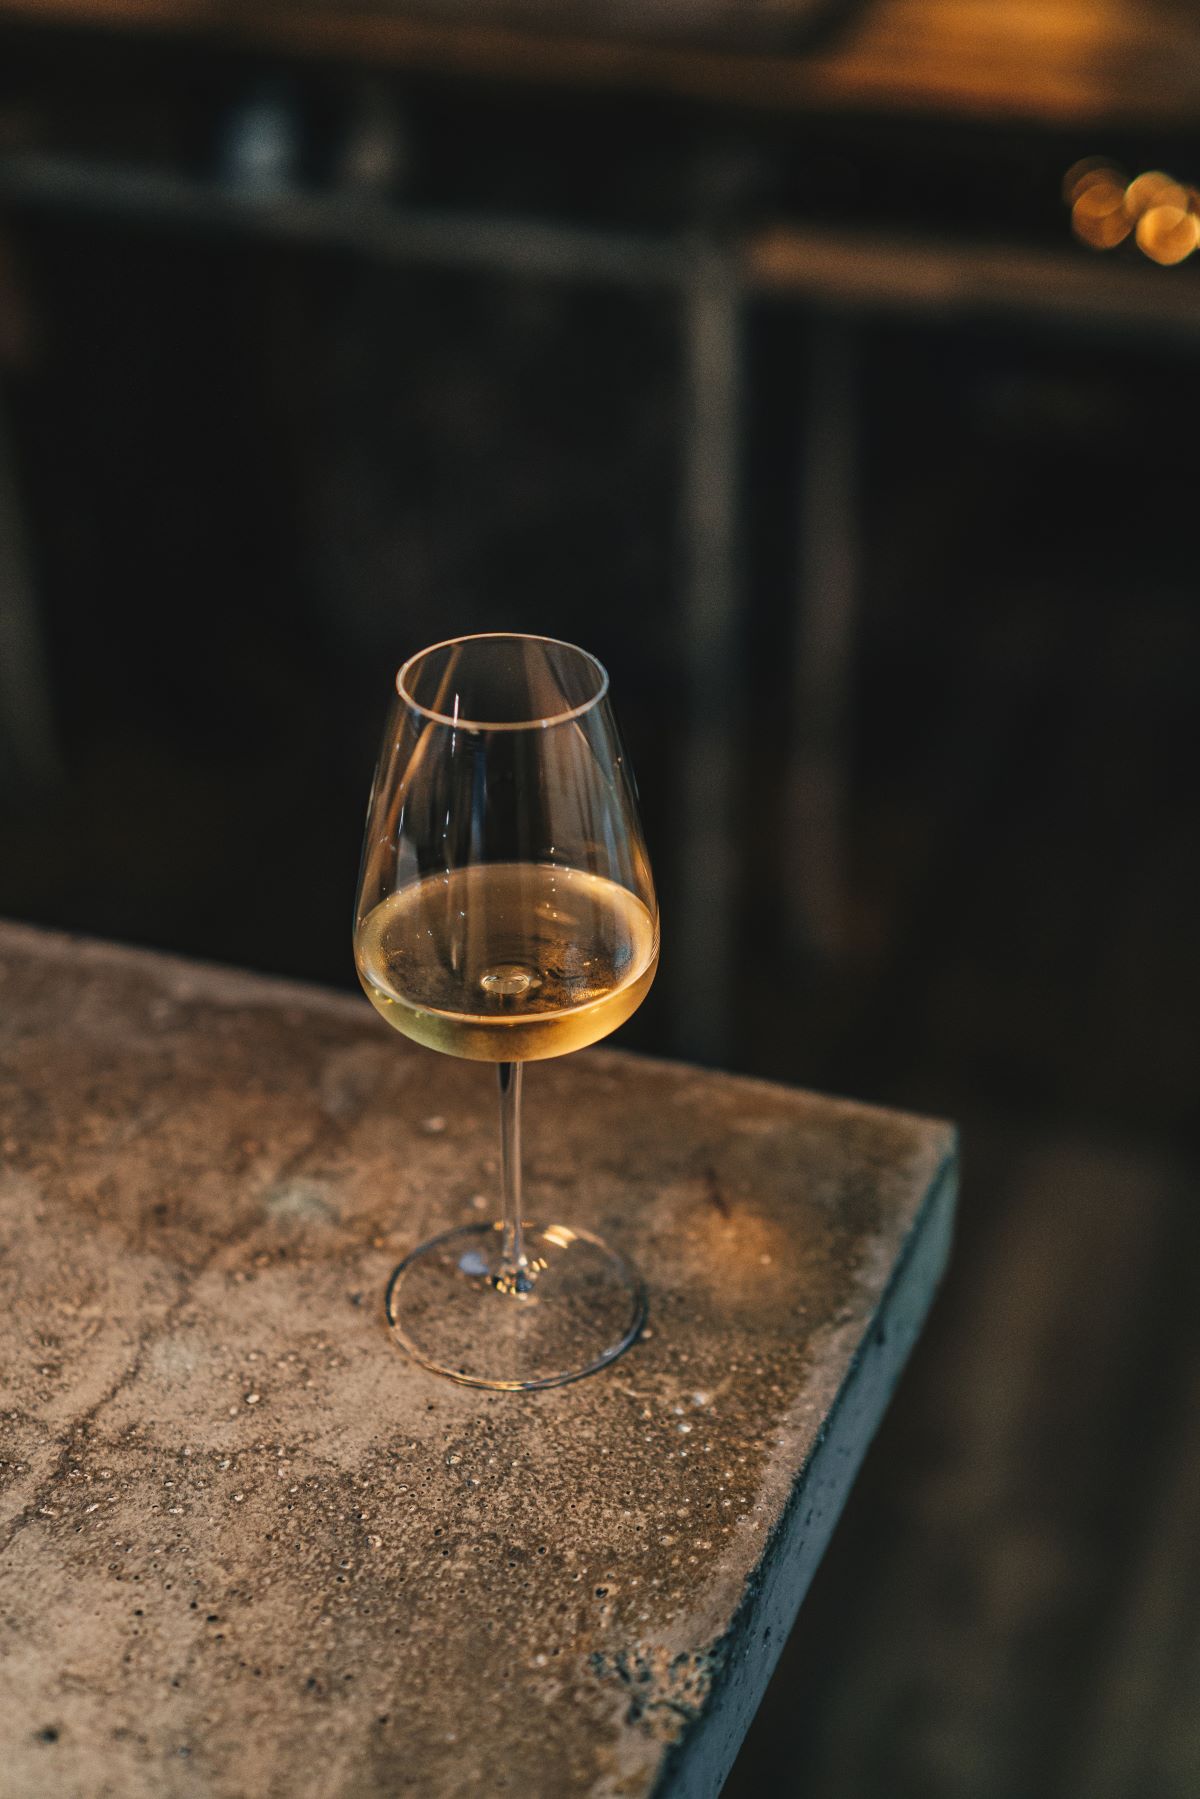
(506, 912)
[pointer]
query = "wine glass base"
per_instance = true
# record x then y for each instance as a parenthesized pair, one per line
(451, 1308)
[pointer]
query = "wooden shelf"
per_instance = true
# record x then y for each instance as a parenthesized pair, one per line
(1053, 62)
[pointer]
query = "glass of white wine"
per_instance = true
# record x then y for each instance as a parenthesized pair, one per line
(506, 912)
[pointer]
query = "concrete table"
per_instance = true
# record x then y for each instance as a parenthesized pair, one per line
(249, 1549)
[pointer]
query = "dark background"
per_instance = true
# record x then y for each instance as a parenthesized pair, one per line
(251, 476)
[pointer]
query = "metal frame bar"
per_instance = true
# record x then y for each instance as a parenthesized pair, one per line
(826, 622)
(348, 220)
(713, 313)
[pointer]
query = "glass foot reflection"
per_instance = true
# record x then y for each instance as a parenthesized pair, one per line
(575, 1306)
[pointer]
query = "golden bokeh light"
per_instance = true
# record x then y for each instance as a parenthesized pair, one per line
(1090, 171)
(1098, 216)
(1153, 189)
(1162, 214)
(1166, 234)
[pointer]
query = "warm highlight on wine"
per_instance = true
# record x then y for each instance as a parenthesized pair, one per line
(508, 961)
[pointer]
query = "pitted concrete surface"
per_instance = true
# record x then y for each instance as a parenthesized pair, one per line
(248, 1548)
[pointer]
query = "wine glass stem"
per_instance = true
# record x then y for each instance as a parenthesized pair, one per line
(514, 1269)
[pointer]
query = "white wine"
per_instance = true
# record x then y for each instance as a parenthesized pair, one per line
(508, 961)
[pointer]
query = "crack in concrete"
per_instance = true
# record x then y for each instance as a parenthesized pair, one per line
(78, 1435)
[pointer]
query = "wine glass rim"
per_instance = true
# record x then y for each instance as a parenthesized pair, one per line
(511, 724)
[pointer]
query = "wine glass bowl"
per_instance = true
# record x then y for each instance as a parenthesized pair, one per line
(506, 913)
